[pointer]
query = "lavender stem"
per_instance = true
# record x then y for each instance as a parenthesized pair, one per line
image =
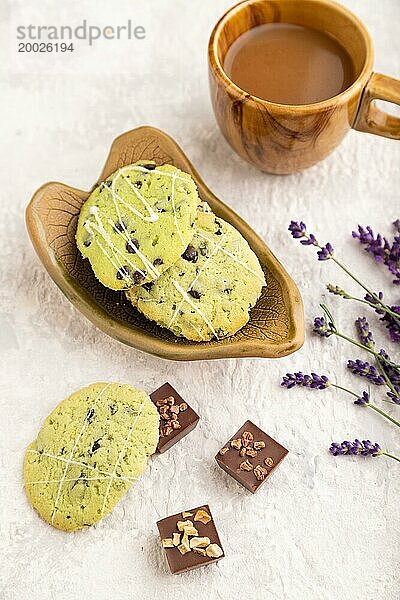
(391, 456)
(360, 283)
(381, 412)
(378, 410)
(376, 354)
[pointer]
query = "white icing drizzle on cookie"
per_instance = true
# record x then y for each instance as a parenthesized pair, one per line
(235, 258)
(157, 171)
(175, 215)
(71, 455)
(146, 262)
(153, 217)
(178, 308)
(79, 464)
(193, 326)
(121, 454)
(99, 227)
(192, 304)
(76, 479)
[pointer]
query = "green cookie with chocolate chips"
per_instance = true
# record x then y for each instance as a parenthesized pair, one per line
(137, 223)
(89, 452)
(208, 293)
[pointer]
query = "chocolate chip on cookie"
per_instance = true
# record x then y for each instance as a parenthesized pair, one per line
(190, 254)
(195, 294)
(132, 245)
(123, 272)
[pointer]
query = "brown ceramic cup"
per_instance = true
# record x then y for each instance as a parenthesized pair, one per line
(283, 138)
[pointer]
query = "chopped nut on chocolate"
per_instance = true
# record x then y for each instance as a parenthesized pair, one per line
(236, 444)
(247, 437)
(174, 424)
(214, 551)
(251, 452)
(260, 472)
(183, 549)
(182, 524)
(196, 546)
(166, 431)
(202, 516)
(161, 402)
(259, 445)
(199, 542)
(185, 541)
(257, 457)
(224, 450)
(185, 514)
(246, 466)
(190, 530)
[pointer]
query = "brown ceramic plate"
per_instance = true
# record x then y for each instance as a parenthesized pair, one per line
(276, 326)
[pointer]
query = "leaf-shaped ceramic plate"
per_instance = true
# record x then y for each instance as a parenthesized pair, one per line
(276, 326)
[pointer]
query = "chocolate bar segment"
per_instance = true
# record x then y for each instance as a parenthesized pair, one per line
(251, 456)
(190, 539)
(177, 418)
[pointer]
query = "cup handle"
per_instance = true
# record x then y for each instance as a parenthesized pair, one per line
(371, 119)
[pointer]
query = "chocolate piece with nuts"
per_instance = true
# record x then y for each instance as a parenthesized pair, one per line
(190, 543)
(250, 456)
(177, 418)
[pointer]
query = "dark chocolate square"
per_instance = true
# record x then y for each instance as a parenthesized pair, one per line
(179, 563)
(187, 418)
(261, 462)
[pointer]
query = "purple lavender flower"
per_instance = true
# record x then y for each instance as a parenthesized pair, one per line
(326, 252)
(364, 369)
(322, 327)
(381, 249)
(394, 396)
(299, 231)
(362, 400)
(364, 333)
(364, 448)
(312, 381)
(391, 373)
(390, 322)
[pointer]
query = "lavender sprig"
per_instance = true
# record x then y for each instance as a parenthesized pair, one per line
(364, 369)
(381, 249)
(313, 381)
(326, 327)
(359, 448)
(364, 448)
(388, 318)
(322, 382)
(383, 361)
(326, 252)
(364, 333)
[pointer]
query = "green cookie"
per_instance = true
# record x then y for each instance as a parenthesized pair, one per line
(89, 452)
(208, 293)
(137, 223)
